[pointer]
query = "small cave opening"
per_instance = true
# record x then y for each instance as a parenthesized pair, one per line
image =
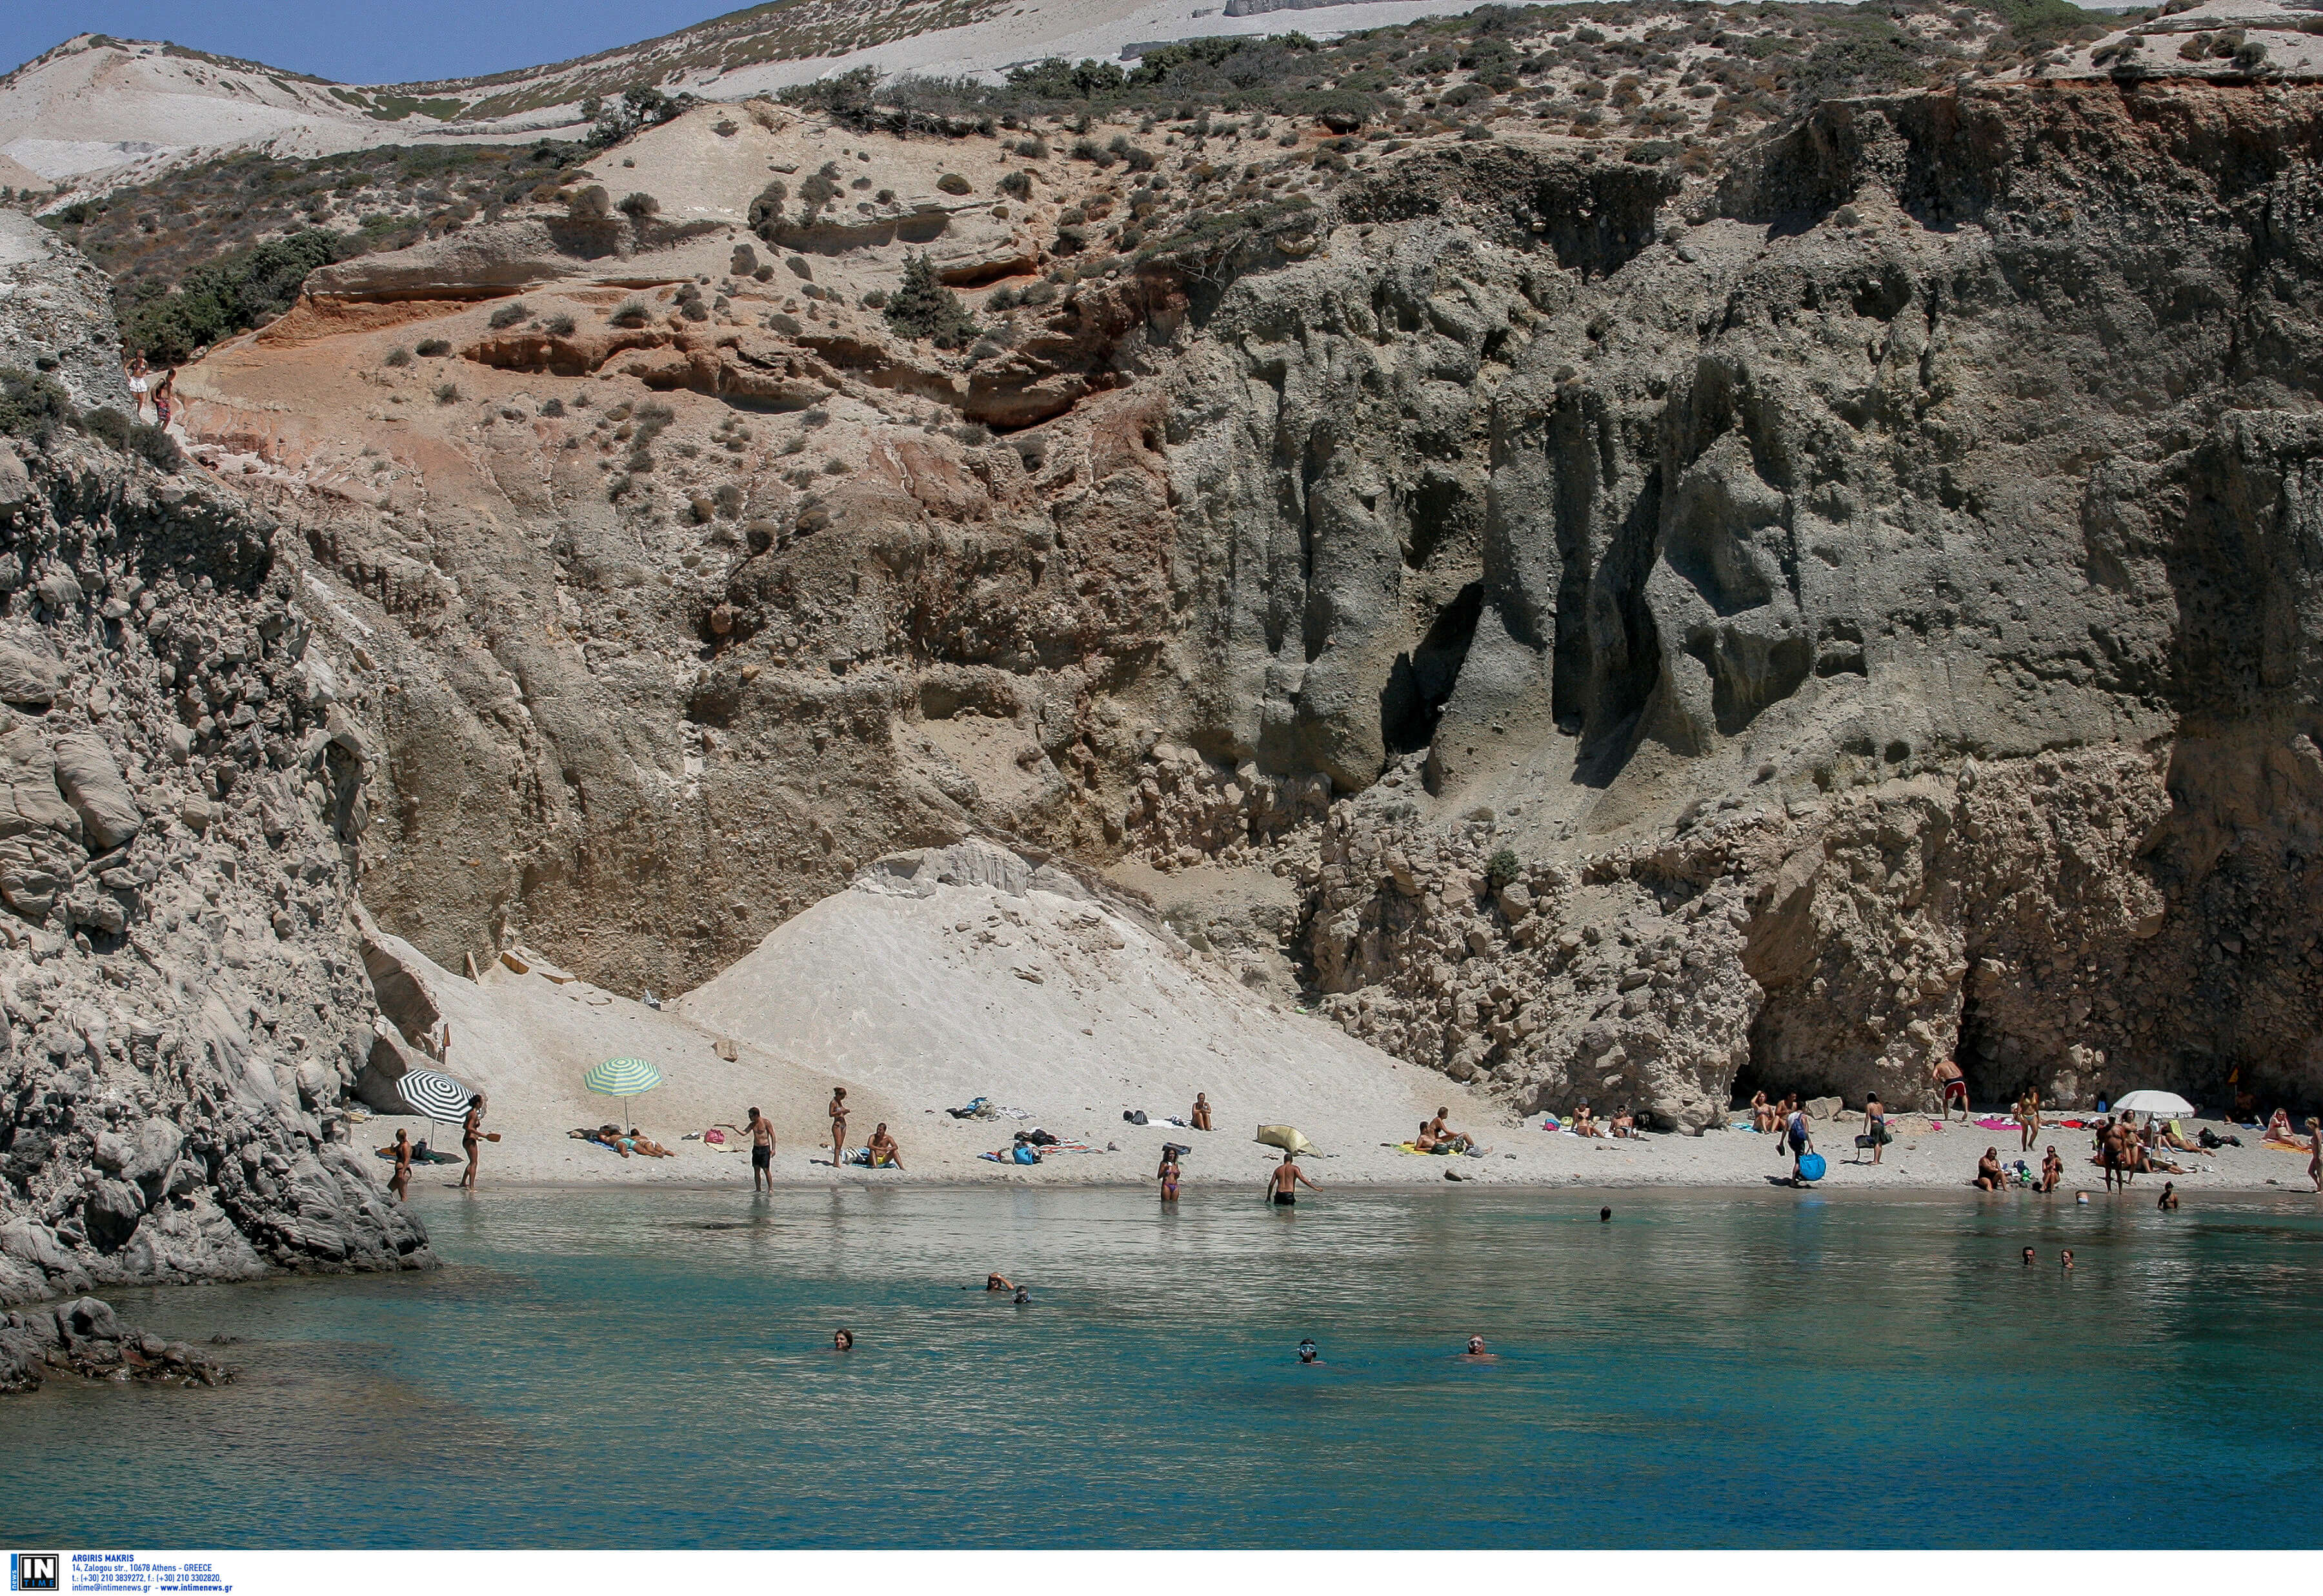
(1420, 682)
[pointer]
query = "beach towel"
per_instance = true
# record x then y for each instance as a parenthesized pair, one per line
(2286, 1146)
(1999, 1124)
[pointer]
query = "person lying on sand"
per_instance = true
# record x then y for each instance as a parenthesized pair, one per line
(884, 1153)
(1989, 1177)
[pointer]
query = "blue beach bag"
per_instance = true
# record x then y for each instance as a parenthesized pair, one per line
(1811, 1167)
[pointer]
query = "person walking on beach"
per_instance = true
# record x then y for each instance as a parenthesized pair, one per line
(471, 1131)
(2109, 1142)
(400, 1182)
(1283, 1180)
(2315, 1151)
(1951, 1086)
(1875, 1126)
(1199, 1119)
(2028, 1117)
(762, 1152)
(1794, 1133)
(837, 1111)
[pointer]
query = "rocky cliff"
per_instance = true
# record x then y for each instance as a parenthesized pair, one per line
(184, 1003)
(1678, 629)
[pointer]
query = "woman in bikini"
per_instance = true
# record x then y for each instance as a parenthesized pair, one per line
(2314, 1152)
(472, 1130)
(138, 384)
(2028, 1117)
(2053, 1169)
(1170, 1180)
(400, 1182)
(837, 1111)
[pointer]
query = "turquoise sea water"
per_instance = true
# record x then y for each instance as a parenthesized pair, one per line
(1708, 1369)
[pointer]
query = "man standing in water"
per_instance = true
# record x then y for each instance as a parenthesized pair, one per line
(762, 1152)
(1283, 1180)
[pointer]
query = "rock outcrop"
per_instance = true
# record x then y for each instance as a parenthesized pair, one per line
(184, 1000)
(85, 1338)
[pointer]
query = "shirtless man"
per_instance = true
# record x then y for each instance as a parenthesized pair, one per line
(1476, 1350)
(1875, 1126)
(2169, 1202)
(884, 1153)
(837, 1111)
(1199, 1119)
(1951, 1086)
(2053, 1169)
(1625, 1123)
(1283, 1180)
(762, 1152)
(1446, 1136)
(2108, 1138)
(1989, 1177)
(1425, 1140)
(399, 1183)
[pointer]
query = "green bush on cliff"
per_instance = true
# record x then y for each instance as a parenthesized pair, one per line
(241, 290)
(923, 308)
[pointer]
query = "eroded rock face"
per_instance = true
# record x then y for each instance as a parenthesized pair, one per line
(1858, 608)
(185, 1002)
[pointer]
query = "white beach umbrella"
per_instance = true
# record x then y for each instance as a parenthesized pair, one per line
(2165, 1104)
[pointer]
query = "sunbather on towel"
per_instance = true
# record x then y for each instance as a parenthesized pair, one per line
(884, 1153)
(1584, 1123)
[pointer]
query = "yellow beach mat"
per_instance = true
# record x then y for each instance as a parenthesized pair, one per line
(1283, 1136)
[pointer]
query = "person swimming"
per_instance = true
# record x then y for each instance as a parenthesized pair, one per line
(1477, 1349)
(1023, 1297)
(1309, 1353)
(842, 1341)
(996, 1281)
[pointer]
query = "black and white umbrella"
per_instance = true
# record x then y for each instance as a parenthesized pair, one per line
(434, 1094)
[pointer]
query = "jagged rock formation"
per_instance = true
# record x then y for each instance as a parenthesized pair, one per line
(184, 1004)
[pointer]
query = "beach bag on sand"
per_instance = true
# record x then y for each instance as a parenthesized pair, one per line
(1811, 1167)
(1025, 1155)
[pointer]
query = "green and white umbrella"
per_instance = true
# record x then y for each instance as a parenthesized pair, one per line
(623, 1078)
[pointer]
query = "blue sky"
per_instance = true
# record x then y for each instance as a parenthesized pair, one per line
(371, 42)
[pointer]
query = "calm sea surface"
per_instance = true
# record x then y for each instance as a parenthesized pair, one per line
(1708, 1369)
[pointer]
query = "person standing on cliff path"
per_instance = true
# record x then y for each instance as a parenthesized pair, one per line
(1951, 1085)
(135, 370)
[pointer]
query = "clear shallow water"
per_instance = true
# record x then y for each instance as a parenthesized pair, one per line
(1740, 1369)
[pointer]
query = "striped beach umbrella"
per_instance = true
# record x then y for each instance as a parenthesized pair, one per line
(623, 1078)
(435, 1095)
